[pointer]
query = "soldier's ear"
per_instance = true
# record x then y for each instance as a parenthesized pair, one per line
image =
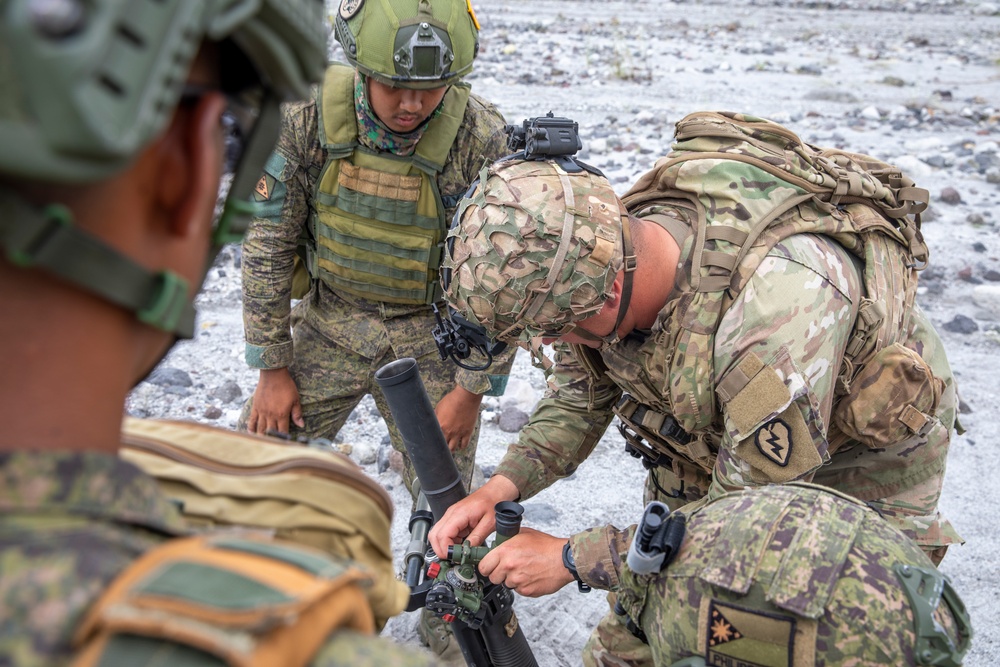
(616, 293)
(190, 186)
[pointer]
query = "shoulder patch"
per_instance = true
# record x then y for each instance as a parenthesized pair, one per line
(349, 8)
(265, 186)
(774, 440)
(731, 635)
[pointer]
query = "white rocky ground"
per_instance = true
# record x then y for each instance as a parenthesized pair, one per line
(915, 83)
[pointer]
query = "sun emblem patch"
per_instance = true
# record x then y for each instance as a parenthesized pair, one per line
(774, 440)
(349, 8)
(264, 188)
(746, 637)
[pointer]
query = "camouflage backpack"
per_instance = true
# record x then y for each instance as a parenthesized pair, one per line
(752, 183)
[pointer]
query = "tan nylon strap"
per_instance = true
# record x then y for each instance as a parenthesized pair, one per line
(676, 228)
(915, 420)
(732, 384)
(730, 234)
(714, 283)
(379, 183)
(720, 259)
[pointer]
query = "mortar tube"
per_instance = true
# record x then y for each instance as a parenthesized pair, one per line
(422, 436)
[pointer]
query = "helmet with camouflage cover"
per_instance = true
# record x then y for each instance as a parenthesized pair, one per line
(86, 85)
(409, 43)
(535, 247)
(796, 574)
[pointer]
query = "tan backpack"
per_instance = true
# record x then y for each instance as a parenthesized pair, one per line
(224, 599)
(291, 491)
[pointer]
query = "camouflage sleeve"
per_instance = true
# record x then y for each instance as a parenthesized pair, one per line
(481, 140)
(777, 356)
(283, 193)
(563, 429)
(599, 554)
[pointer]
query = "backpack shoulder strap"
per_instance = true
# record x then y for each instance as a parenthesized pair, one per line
(223, 600)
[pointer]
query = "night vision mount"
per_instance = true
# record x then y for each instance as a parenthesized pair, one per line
(547, 137)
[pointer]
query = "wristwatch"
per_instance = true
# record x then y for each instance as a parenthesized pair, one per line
(570, 565)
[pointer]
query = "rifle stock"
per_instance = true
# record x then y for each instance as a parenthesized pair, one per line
(499, 640)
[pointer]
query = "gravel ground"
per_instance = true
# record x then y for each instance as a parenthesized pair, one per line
(915, 83)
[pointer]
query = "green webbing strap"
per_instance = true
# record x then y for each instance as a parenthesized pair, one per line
(46, 238)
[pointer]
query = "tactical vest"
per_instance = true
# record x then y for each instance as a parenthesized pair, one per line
(751, 183)
(379, 219)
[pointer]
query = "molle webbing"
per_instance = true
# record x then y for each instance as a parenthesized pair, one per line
(223, 600)
(380, 219)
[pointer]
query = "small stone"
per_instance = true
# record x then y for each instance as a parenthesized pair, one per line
(228, 392)
(871, 113)
(168, 376)
(961, 324)
(212, 412)
(364, 452)
(951, 196)
(512, 420)
(382, 462)
(396, 462)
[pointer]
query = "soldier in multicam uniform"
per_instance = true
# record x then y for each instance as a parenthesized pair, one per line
(370, 171)
(546, 253)
(112, 125)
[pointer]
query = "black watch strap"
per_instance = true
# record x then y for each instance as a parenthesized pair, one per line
(570, 564)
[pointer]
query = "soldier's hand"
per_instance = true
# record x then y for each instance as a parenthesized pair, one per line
(472, 518)
(457, 413)
(529, 563)
(275, 403)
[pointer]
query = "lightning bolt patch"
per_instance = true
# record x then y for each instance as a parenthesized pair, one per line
(774, 440)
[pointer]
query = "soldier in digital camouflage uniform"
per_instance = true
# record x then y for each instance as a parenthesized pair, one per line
(721, 388)
(793, 575)
(371, 171)
(112, 122)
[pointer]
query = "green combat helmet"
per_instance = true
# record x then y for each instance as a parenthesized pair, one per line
(85, 85)
(409, 43)
(788, 576)
(536, 247)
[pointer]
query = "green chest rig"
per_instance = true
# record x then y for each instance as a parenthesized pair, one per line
(749, 183)
(379, 219)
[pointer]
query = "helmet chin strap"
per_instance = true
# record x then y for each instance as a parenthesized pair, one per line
(44, 237)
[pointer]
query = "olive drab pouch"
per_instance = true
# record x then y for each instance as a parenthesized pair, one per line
(294, 492)
(223, 600)
(893, 397)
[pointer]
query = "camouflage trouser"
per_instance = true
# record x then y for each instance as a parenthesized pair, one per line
(333, 379)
